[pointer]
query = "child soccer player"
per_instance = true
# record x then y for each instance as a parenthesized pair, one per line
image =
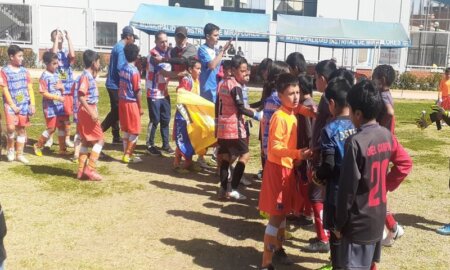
(75, 108)
(443, 91)
(88, 123)
(278, 190)
(230, 128)
(18, 100)
(332, 140)
(191, 83)
(51, 88)
(364, 180)
(130, 109)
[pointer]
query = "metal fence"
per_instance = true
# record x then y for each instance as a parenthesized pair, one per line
(15, 23)
(429, 48)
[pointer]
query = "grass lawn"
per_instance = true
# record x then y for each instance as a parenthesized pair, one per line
(145, 216)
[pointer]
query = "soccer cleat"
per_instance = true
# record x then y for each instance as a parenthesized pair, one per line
(399, 232)
(202, 163)
(326, 267)
(49, 142)
(23, 159)
(153, 151)
(92, 175)
(222, 194)
(280, 257)
(37, 150)
(269, 267)
(10, 155)
(69, 144)
(264, 215)
(317, 247)
(245, 181)
(234, 194)
(390, 238)
(117, 140)
(445, 230)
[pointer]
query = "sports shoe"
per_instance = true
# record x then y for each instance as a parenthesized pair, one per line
(69, 144)
(445, 230)
(259, 175)
(10, 155)
(37, 150)
(23, 159)
(269, 267)
(168, 150)
(153, 151)
(117, 140)
(92, 175)
(202, 163)
(222, 194)
(326, 267)
(234, 194)
(389, 240)
(80, 174)
(74, 159)
(49, 142)
(317, 247)
(133, 159)
(313, 239)
(280, 257)
(245, 181)
(64, 153)
(399, 232)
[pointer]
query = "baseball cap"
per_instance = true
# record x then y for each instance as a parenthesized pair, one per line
(181, 30)
(128, 30)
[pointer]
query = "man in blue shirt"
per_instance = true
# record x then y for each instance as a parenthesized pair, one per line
(116, 62)
(210, 57)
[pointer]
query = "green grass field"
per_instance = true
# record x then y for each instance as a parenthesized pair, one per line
(145, 216)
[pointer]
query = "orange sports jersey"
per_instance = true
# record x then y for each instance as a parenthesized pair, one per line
(444, 85)
(282, 147)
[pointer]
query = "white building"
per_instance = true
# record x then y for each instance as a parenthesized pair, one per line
(98, 24)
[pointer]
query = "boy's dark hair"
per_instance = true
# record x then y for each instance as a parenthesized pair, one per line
(237, 61)
(344, 73)
(209, 28)
(325, 68)
(52, 33)
(131, 52)
(365, 97)
(447, 70)
(48, 57)
(306, 84)
(264, 65)
(191, 62)
(276, 68)
(337, 90)
(89, 58)
(384, 71)
(159, 33)
(297, 61)
(226, 64)
(13, 50)
(284, 81)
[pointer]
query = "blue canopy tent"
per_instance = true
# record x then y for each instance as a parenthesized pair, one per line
(340, 33)
(243, 26)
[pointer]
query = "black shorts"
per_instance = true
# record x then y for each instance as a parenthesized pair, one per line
(359, 257)
(233, 147)
(316, 193)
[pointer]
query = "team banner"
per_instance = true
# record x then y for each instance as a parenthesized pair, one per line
(194, 123)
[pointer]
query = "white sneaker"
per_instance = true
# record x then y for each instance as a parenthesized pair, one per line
(399, 232)
(49, 142)
(135, 159)
(245, 181)
(10, 155)
(69, 144)
(23, 159)
(202, 163)
(236, 195)
(390, 238)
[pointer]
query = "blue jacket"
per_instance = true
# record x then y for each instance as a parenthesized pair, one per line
(117, 61)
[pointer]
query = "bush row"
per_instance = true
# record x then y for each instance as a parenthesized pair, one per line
(29, 57)
(410, 81)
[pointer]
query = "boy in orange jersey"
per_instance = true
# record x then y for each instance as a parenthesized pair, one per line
(279, 186)
(444, 85)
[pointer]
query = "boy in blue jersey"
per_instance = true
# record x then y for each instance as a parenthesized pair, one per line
(332, 140)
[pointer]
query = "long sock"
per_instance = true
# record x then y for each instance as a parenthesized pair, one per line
(237, 174)
(373, 266)
(390, 222)
(280, 234)
(96, 149)
(20, 144)
(10, 140)
(82, 158)
(270, 244)
(224, 166)
(67, 131)
(125, 137)
(62, 140)
(132, 140)
(177, 157)
(43, 139)
(318, 221)
(76, 145)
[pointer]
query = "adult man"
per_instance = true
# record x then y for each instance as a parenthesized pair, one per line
(182, 51)
(116, 62)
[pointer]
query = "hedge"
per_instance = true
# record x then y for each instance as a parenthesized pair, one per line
(29, 57)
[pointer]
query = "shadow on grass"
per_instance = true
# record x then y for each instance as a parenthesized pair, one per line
(418, 222)
(214, 255)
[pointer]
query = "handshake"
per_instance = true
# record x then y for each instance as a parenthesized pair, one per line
(437, 114)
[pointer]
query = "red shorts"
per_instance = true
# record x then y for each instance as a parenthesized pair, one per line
(17, 120)
(445, 104)
(68, 105)
(129, 117)
(57, 121)
(279, 190)
(88, 129)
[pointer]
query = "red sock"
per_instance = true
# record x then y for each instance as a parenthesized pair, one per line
(318, 221)
(373, 266)
(390, 221)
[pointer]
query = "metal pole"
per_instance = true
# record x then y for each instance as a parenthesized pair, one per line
(285, 48)
(268, 46)
(419, 54)
(318, 55)
(446, 50)
(276, 49)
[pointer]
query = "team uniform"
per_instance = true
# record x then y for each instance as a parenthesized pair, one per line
(189, 84)
(361, 197)
(129, 86)
(65, 74)
(271, 104)
(158, 98)
(384, 119)
(444, 86)
(332, 140)
(208, 77)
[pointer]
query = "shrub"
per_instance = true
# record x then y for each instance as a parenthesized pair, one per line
(78, 65)
(409, 81)
(29, 57)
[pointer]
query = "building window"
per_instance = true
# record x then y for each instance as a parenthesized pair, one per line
(246, 6)
(15, 23)
(295, 7)
(106, 34)
(191, 4)
(228, 3)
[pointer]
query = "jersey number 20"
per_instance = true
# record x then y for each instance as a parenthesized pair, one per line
(378, 180)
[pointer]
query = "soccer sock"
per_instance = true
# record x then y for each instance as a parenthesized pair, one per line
(318, 221)
(280, 234)
(177, 157)
(10, 140)
(76, 145)
(373, 266)
(125, 137)
(132, 140)
(95, 153)
(224, 166)
(82, 160)
(237, 174)
(67, 131)
(270, 244)
(43, 139)
(390, 222)
(62, 140)
(20, 143)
